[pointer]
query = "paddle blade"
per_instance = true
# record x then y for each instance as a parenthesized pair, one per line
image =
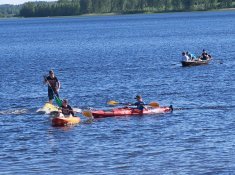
(58, 101)
(87, 114)
(154, 105)
(113, 102)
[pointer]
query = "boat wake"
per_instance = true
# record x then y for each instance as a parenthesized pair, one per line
(14, 112)
(208, 107)
(18, 111)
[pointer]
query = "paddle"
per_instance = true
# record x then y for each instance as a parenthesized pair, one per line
(75, 110)
(87, 114)
(152, 104)
(57, 99)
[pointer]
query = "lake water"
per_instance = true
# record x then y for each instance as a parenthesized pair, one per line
(104, 58)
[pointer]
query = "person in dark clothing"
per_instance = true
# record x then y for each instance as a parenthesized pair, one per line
(66, 109)
(53, 85)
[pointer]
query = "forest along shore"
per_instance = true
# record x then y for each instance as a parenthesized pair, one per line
(109, 7)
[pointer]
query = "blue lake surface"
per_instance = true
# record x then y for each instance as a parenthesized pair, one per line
(104, 58)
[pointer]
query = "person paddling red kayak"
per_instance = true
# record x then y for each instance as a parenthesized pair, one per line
(141, 109)
(139, 104)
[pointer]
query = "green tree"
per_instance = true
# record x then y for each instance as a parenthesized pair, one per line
(85, 6)
(225, 3)
(77, 7)
(168, 5)
(211, 4)
(177, 5)
(28, 9)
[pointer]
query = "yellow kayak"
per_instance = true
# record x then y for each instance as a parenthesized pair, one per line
(50, 108)
(64, 121)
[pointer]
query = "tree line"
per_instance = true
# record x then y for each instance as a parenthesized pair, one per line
(9, 10)
(79, 7)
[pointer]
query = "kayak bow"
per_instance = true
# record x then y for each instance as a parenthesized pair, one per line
(64, 121)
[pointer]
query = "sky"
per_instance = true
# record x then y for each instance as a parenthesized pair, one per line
(16, 2)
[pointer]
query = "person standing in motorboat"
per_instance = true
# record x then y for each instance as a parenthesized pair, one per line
(53, 85)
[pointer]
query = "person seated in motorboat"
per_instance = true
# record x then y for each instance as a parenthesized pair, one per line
(66, 110)
(205, 57)
(191, 56)
(185, 57)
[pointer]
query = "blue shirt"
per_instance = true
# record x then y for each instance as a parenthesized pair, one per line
(192, 55)
(140, 105)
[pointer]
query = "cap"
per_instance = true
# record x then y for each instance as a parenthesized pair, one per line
(137, 97)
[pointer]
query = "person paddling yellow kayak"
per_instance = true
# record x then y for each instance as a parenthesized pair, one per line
(65, 116)
(66, 110)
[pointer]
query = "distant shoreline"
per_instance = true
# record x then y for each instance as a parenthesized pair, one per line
(225, 9)
(114, 14)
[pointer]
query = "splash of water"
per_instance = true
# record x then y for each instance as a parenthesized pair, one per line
(14, 112)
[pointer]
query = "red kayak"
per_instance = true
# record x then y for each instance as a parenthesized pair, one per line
(130, 111)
